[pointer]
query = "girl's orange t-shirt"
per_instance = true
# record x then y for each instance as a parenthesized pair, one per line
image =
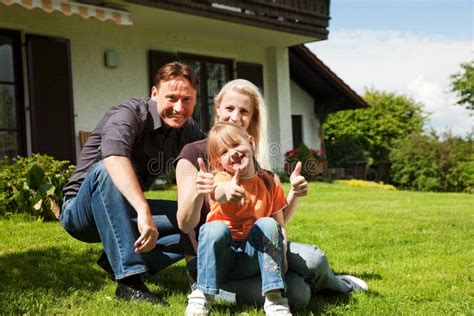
(264, 197)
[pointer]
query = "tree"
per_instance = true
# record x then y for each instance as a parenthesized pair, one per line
(374, 131)
(462, 84)
(426, 162)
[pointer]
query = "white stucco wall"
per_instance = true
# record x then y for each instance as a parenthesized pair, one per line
(96, 88)
(303, 104)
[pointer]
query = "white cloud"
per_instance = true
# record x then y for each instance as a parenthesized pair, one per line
(417, 65)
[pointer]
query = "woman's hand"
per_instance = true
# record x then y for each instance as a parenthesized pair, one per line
(204, 179)
(299, 186)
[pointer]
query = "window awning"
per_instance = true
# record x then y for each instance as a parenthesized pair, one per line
(86, 11)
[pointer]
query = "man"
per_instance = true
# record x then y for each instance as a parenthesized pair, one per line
(104, 201)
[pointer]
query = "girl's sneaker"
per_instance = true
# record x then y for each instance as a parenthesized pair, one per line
(276, 306)
(199, 304)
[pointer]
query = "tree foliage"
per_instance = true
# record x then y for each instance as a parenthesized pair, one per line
(370, 134)
(427, 163)
(462, 84)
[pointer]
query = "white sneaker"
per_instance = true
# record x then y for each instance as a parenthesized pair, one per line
(356, 283)
(199, 304)
(276, 306)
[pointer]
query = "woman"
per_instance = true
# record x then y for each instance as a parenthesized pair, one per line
(240, 102)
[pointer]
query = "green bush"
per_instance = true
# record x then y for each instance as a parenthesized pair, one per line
(344, 151)
(369, 134)
(426, 163)
(33, 186)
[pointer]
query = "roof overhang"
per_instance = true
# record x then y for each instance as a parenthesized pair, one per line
(330, 93)
(307, 18)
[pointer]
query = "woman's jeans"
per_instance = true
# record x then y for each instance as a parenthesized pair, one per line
(100, 213)
(308, 271)
(220, 258)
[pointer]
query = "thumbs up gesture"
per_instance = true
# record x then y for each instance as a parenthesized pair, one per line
(233, 191)
(298, 183)
(204, 179)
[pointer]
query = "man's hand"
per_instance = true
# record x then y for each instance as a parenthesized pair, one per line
(148, 233)
(299, 186)
(233, 191)
(204, 179)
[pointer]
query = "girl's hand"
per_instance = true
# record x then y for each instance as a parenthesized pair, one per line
(204, 179)
(233, 191)
(299, 186)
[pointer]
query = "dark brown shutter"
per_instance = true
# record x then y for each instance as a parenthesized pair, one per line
(251, 72)
(51, 101)
(297, 130)
(156, 59)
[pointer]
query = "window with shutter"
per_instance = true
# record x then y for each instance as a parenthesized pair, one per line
(297, 129)
(12, 124)
(251, 72)
(51, 101)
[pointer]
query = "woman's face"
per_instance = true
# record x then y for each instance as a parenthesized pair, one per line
(235, 107)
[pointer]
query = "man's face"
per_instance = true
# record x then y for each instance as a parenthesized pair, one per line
(175, 101)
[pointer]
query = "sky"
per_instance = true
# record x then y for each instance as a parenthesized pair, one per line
(409, 47)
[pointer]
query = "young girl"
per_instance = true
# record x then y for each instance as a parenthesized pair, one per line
(245, 230)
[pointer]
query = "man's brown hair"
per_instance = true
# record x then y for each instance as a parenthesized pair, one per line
(174, 70)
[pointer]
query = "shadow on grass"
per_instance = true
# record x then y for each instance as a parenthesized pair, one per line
(172, 280)
(323, 301)
(52, 271)
(370, 276)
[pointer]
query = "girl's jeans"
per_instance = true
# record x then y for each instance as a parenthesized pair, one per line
(220, 258)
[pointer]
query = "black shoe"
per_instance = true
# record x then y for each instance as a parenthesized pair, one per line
(137, 292)
(104, 263)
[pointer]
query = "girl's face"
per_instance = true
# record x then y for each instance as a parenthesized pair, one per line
(239, 156)
(235, 107)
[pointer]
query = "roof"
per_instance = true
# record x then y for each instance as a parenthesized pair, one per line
(330, 92)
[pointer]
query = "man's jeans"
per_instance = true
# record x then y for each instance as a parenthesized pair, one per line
(220, 258)
(100, 213)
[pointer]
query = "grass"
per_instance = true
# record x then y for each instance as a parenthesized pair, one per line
(414, 249)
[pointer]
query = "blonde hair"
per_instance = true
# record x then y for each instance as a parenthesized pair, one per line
(258, 125)
(221, 137)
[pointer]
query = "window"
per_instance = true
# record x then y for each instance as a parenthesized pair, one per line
(297, 129)
(12, 141)
(213, 74)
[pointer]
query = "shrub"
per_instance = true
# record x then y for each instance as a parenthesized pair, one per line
(313, 161)
(344, 151)
(373, 131)
(366, 184)
(33, 185)
(425, 163)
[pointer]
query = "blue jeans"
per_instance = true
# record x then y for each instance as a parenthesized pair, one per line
(220, 258)
(311, 263)
(100, 213)
(308, 271)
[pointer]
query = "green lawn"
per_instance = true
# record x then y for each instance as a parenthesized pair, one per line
(415, 250)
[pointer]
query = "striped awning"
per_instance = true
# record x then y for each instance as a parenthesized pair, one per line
(86, 11)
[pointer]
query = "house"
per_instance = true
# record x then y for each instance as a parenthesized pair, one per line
(63, 64)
